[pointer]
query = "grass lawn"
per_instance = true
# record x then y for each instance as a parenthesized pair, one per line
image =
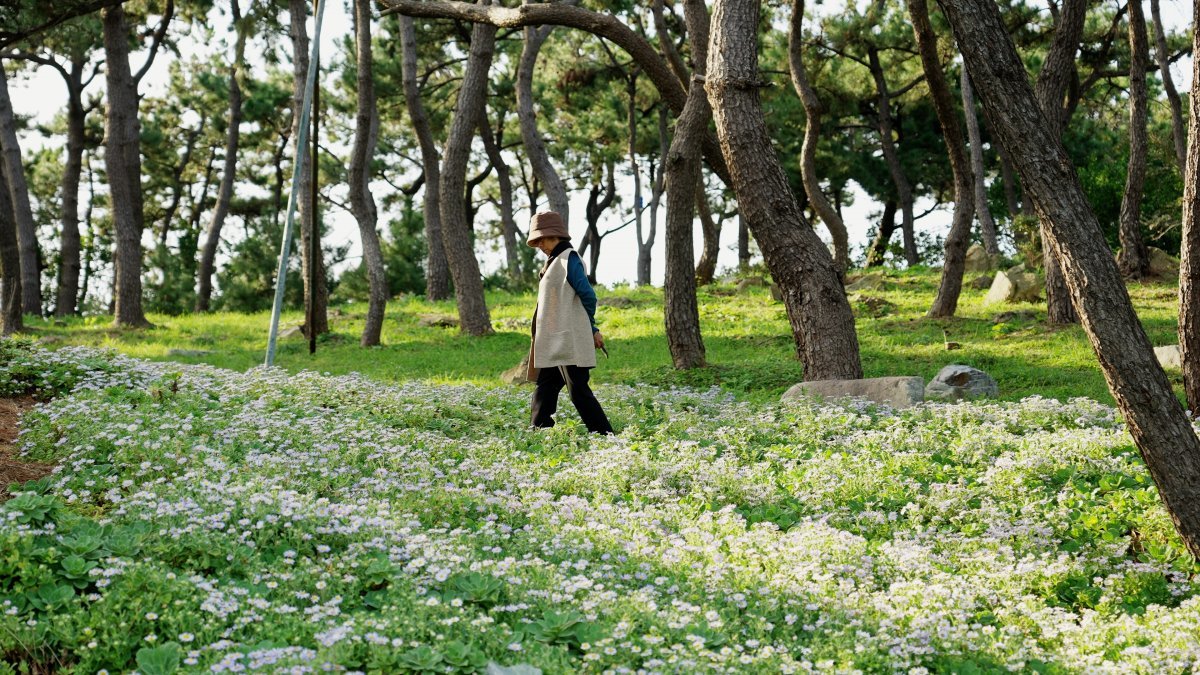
(746, 335)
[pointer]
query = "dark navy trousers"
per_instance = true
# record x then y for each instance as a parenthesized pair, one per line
(550, 382)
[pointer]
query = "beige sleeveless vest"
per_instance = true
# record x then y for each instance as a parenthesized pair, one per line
(562, 332)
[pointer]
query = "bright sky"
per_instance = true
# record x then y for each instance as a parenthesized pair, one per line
(42, 94)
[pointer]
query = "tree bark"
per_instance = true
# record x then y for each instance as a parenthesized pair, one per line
(1162, 55)
(456, 231)
(31, 276)
(706, 268)
(668, 47)
(504, 179)
(822, 324)
(814, 110)
(11, 319)
(987, 224)
(122, 159)
(1189, 254)
(362, 204)
(1155, 419)
(212, 237)
(1051, 88)
(892, 157)
(657, 186)
(1134, 258)
(682, 165)
(743, 243)
(437, 270)
(644, 243)
(316, 293)
(946, 301)
(68, 266)
(883, 235)
(535, 148)
(1011, 198)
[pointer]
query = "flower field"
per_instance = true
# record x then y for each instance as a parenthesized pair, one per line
(205, 520)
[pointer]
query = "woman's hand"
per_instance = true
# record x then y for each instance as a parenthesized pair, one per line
(598, 339)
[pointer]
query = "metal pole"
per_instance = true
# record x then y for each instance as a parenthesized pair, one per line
(314, 236)
(289, 228)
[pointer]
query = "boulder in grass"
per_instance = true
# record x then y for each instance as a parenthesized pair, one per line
(897, 392)
(982, 282)
(958, 382)
(746, 284)
(1168, 357)
(776, 293)
(1013, 286)
(867, 282)
(292, 332)
(518, 374)
(1162, 264)
(978, 260)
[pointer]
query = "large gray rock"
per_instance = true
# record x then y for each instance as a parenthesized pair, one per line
(978, 260)
(981, 282)
(1162, 264)
(897, 392)
(957, 382)
(1168, 356)
(1013, 286)
(867, 282)
(292, 333)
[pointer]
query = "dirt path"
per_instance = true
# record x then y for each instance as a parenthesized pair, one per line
(12, 468)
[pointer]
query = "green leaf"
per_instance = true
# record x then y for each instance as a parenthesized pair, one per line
(161, 660)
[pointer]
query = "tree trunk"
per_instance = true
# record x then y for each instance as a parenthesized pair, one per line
(1189, 254)
(822, 324)
(1153, 415)
(645, 240)
(504, 179)
(1050, 90)
(1134, 259)
(892, 157)
(946, 301)
(883, 235)
(68, 266)
(122, 158)
(90, 253)
(706, 269)
(11, 319)
(596, 206)
(813, 111)
(1011, 198)
(212, 237)
(535, 149)
(987, 224)
(177, 186)
(1162, 55)
(682, 164)
(657, 184)
(316, 293)
(456, 231)
(31, 276)
(437, 270)
(362, 204)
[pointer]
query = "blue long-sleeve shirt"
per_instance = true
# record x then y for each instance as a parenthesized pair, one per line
(579, 281)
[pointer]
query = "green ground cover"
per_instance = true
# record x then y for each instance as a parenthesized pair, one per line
(208, 520)
(747, 338)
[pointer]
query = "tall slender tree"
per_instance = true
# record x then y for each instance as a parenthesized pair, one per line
(11, 319)
(886, 125)
(456, 230)
(946, 301)
(18, 188)
(814, 110)
(1134, 258)
(312, 263)
(1154, 417)
(362, 204)
(122, 158)
(987, 224)
(1163, 56)
(822, 324)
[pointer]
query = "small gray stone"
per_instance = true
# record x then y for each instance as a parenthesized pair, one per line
(981, 282)
(868, 282)
(750, 282)
(1162, 264)
(437, 321)
(293, 332)
(518, 374)
(897, 392)
(956, 382)
(1168, 356)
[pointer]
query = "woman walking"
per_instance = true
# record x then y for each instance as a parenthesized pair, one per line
(565, 336)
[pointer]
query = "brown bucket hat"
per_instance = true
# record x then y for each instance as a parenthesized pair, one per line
(546, 224)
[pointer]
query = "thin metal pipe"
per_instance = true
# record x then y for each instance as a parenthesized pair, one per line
(289, 228)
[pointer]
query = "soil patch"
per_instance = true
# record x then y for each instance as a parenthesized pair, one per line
(12, 468)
